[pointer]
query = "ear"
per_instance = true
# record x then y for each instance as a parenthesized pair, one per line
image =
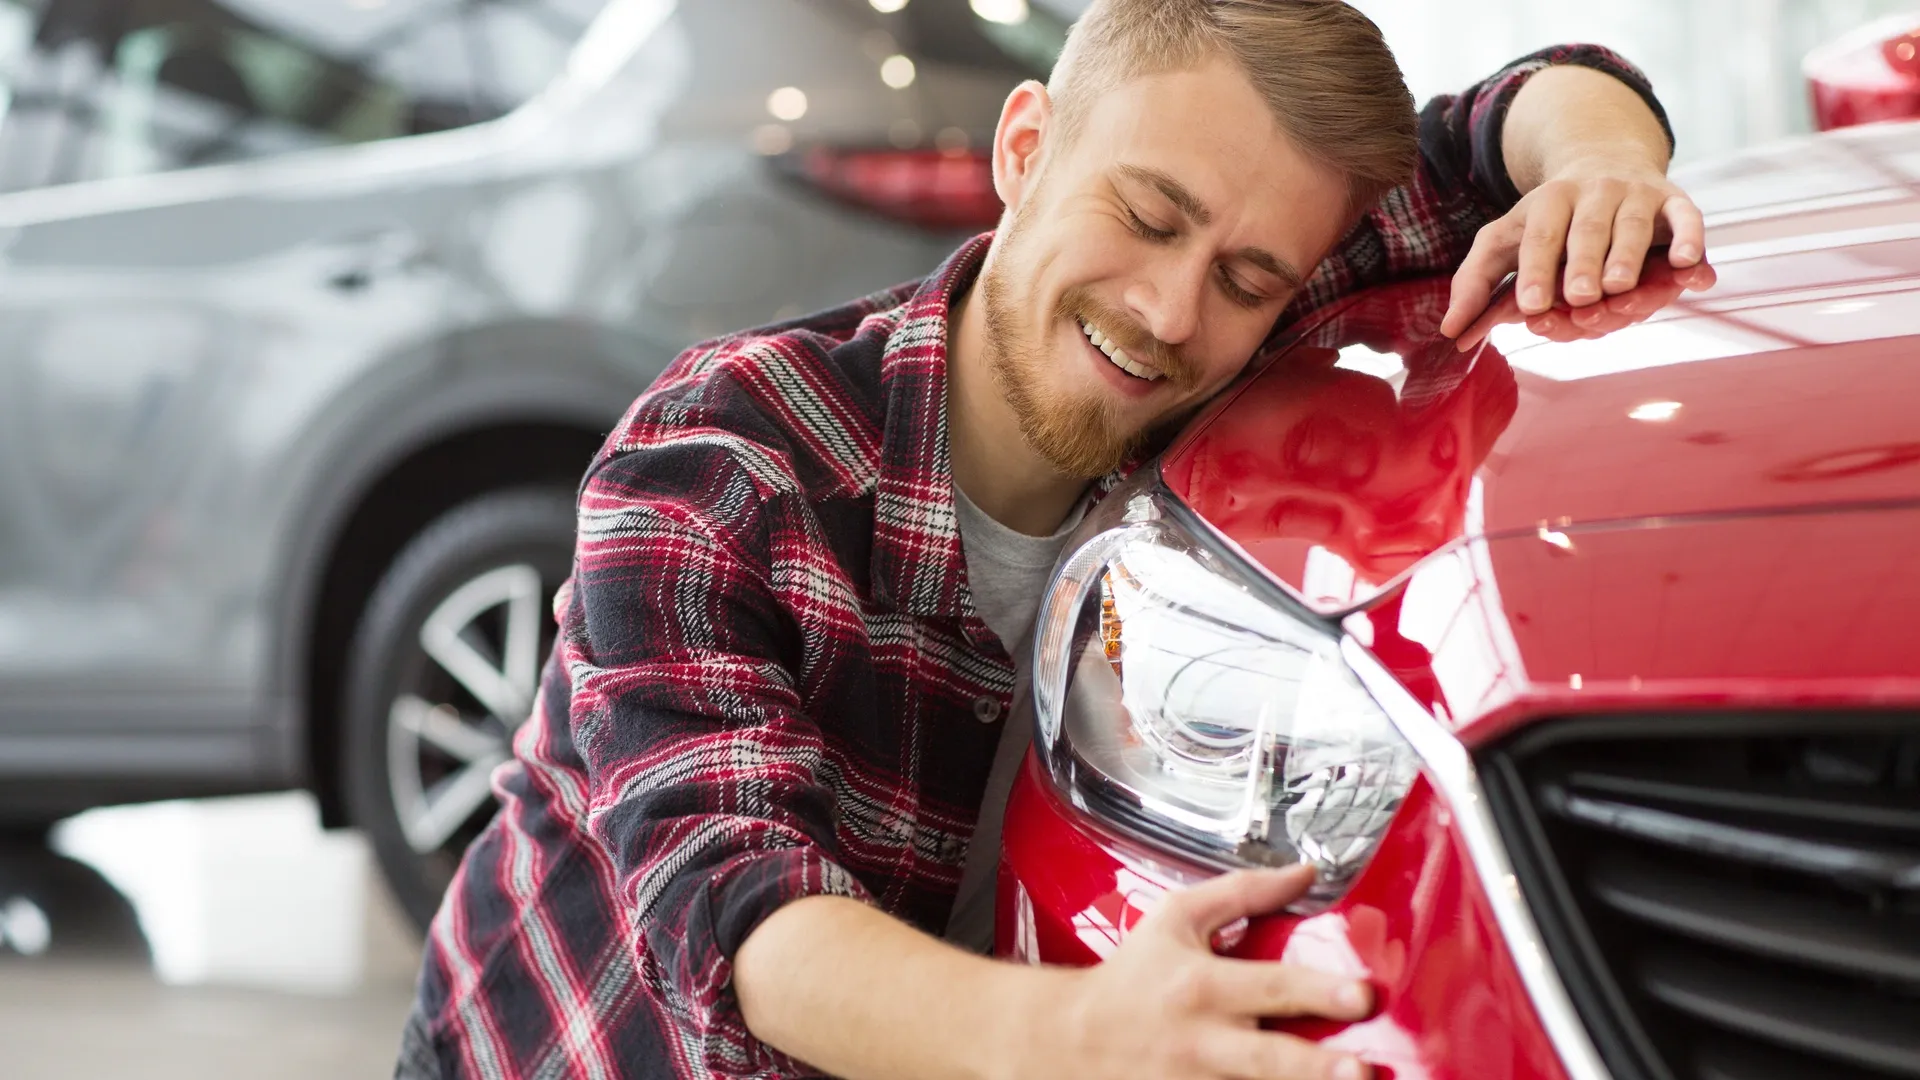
(1018, 141)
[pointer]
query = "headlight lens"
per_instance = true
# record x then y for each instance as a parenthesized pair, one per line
(1179, 700)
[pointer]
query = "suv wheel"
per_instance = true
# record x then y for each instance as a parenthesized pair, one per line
(444, 666)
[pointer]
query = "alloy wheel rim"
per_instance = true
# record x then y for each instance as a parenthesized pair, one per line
(480, 669)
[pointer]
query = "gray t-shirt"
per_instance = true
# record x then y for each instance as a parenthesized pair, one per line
(1007, 572)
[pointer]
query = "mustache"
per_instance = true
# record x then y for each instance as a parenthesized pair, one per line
(1124, 331)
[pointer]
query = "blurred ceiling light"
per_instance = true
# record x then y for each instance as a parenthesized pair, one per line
(772, 139)
(897, 71)
(1655, 412)
(787, 103)
(904, 133)
(952, 140)
(1010, 12)
(887, 7)
(24, 926)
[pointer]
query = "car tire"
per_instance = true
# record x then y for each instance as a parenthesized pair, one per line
(443, 667)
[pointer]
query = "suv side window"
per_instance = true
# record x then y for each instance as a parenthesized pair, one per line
(104, 88)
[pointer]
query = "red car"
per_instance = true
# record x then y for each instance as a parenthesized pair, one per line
(1586, 673)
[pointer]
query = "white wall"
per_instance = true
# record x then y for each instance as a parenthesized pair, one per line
(1727, 70)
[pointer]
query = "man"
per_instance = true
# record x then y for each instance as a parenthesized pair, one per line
(761, 783)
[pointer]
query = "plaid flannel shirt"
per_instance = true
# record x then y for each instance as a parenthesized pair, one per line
(770, 681)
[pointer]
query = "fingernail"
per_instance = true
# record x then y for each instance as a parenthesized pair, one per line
(1349, 1069)
(1683, 252)
(1582, 285)
(1351, 998)
(1534, 297)
(1619, 275)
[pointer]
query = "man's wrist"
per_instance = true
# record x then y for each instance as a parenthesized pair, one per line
(1571, 115)
(1033, 1021)
(1626, 160)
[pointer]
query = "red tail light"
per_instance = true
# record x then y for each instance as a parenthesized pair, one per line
(1868, 75)
(934, 189)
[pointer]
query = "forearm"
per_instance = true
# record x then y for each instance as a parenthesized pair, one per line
(1568, 114)
(856, 993)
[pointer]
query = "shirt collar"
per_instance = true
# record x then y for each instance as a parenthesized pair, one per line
(918, 566)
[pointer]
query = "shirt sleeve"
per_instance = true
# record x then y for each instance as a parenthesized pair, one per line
(1460, 183)
(704, 773)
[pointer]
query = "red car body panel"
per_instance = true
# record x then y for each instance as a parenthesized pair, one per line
(1415, 925)
(1511, 543)
(1867, 76)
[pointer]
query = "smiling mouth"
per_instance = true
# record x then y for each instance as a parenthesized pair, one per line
(1118, 357)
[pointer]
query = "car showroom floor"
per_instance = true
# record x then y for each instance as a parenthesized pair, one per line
(221, 938)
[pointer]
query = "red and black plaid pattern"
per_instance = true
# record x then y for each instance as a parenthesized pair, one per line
(769, 670)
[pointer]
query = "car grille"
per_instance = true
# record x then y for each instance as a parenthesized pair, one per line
(1726, 897)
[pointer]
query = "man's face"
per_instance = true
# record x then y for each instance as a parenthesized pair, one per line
(1175, 225)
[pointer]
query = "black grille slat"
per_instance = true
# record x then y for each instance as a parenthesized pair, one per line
(1733, 1059)
(1675, 793)
(1855, 1028)
(1756, 920)
(1726, 896)
(1886, 868)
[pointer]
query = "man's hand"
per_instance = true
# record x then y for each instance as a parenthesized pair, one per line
(1658, 285)
(1164, 1005)
(856, 993)
(1591, 159)
(1601, 219)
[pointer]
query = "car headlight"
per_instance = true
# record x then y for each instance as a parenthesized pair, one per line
(1181, 698)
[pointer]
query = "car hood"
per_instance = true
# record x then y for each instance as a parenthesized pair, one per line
(1365, 445)
(1810, 611)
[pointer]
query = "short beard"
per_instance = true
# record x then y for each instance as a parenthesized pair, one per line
(1079, 435)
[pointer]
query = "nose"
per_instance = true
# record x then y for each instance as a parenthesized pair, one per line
(1166, 298)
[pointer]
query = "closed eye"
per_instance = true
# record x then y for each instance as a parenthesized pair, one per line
(1237, 292)
(1142, 229)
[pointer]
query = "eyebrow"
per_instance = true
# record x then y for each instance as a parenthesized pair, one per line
(1178, 195)
(1274, 265)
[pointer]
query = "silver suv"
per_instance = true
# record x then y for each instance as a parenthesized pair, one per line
(312, 313)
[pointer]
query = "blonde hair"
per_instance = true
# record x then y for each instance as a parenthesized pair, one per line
(1321, 66)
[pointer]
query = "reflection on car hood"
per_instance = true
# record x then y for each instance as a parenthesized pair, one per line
(1364, 446)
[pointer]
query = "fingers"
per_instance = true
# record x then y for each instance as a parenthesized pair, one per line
(1541, 246)
(1588, 238)
(1267, 1055)
(1488, 263)
(1194, 914)
(1503, 310)
(1683, 219)
(1260, 988)
(1632, 236)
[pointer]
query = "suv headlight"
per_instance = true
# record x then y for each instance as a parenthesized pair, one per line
(1183, 699)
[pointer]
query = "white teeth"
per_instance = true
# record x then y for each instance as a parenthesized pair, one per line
(1119, 356)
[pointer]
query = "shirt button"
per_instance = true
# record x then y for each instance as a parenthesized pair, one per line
(986, 709)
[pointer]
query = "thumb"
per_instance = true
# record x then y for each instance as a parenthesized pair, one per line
(1197, 913)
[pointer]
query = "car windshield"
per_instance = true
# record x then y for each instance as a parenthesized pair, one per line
(100, 88)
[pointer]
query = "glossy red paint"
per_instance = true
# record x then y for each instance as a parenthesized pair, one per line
(1415, 924)
(1799, 610)
(1790, 384)
(1714, 509)
(1869, 75)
